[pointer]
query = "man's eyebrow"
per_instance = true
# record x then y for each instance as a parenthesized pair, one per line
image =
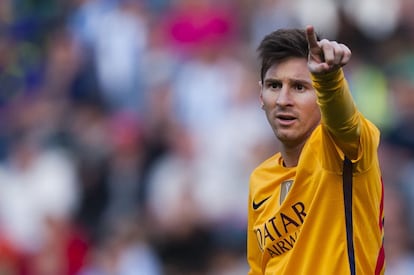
(291, 80)
(301, 80)
(272, 80)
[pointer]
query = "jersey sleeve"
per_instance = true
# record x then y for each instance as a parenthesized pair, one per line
(350, 131)
(339, 113)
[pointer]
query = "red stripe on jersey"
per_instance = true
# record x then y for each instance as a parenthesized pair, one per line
(380, 261)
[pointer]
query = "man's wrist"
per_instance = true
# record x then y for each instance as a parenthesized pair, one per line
(328, 80)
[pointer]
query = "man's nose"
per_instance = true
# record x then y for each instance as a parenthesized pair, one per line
(284, 97)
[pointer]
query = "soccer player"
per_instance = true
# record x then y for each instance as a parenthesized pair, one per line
(315, 207)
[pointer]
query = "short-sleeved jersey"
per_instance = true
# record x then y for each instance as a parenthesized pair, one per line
(297, 217)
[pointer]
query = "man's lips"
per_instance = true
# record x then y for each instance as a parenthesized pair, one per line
(285, 119)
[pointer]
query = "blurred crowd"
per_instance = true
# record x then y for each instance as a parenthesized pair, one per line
(129, 128)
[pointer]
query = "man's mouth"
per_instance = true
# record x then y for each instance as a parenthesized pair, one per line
(285, 119)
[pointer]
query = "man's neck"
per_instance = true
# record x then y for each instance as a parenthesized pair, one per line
(291, 154)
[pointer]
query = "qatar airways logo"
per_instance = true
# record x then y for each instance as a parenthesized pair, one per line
(279, 233)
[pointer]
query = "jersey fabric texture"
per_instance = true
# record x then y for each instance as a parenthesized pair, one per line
(297, 217)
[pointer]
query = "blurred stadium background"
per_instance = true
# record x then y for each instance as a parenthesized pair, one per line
(128, 129)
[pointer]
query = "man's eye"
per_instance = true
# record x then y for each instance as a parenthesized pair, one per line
(274, 85)
(300, 87)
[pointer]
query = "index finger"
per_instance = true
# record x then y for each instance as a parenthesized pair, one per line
(311, 37)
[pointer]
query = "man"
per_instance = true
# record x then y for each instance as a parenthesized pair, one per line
(316, 207)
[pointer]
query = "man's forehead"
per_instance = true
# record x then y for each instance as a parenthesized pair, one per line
(292, 68)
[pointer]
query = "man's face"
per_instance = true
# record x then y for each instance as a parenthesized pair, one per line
(289, 101)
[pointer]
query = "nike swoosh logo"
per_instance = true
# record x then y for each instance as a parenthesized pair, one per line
(257, 205)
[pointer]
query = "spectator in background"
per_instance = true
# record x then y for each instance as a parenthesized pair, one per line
(38, 184)
(203, 35)
(116, 34)
(177, 222)
(123, 249)
(125, 171)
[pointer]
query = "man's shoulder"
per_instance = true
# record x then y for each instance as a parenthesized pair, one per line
(269, 163)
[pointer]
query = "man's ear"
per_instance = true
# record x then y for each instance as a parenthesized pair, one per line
(261, 96)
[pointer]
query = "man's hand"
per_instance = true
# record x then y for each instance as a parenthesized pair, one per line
(325, 56)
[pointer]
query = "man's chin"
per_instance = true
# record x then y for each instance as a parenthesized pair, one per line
(287, 139)
(285, 136)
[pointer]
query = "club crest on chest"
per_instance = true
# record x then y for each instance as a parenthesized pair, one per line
(284, 189)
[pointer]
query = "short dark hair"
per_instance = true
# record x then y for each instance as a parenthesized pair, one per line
(281, 44)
